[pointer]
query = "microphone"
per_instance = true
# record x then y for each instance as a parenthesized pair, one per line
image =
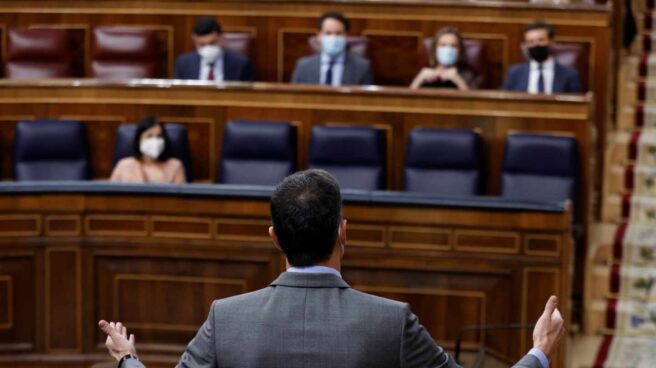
(493, 326)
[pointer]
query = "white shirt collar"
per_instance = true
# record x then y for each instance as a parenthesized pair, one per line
(314, 269)
(339, 59)
(548, 64)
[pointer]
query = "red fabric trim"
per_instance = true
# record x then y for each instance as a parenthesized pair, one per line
(639, 116)
(629, 171)
(642, 90)
(643, 69)
(646, 43)
(633, 145)
(611, 314)
(618, 242)
(648, 20)
(615, 279)
(626, 205)
(602, 353)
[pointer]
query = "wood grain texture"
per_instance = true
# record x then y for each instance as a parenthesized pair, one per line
(162, 286)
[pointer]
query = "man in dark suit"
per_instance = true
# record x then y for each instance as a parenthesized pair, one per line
(334, 65)
(210, 61)
(309, 316)
(542, 74)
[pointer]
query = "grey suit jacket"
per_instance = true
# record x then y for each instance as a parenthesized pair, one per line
(357, 70)
(313, 320)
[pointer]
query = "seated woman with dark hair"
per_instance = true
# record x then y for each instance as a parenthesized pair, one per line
(151, 161)
(448, 63)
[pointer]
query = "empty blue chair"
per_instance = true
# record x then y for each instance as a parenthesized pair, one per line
(443, 161)
(178, 141)
(51, 150)
(257, 152)
(354, 155)
(540, 168)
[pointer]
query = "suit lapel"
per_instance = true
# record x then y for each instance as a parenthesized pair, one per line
(229, 70)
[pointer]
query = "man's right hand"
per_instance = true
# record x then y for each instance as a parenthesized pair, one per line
(549, 329)
(118, 343)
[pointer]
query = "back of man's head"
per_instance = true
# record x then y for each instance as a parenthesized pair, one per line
(206, 25)
(306, 210)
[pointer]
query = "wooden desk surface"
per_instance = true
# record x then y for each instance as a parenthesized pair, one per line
(71, 254)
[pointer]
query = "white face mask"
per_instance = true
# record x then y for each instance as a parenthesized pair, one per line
(152, 147)
(333, 45)
(209, 53)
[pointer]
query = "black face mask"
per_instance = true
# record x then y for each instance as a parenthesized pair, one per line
(539, 53)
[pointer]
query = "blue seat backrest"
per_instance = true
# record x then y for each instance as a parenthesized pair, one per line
(51, 150)
(540, 167)
(178, 140)
(355, 155)
(257, 152)
(443, 161)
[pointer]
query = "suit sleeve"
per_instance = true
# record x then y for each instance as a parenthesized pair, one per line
(528, 361)
(574, 83)
(201, 351)
(247, 74)
(418, 348)
(508, 82)
(131, 363)
(368, 78)
(296, 75)
(177, 70)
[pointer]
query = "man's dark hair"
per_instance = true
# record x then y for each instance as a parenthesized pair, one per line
(540, 24)
(306, 210)
(206, 25)
(144, 125)
(337, 16)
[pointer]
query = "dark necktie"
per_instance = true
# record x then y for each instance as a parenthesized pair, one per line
(540, 79)
(210, 75)
(329, 73)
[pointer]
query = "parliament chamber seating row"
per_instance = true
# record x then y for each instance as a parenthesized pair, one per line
(440, 161)
(122, 52)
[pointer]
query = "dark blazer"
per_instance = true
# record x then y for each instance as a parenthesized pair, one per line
(313, 320)
(357, 70)
(236, 67)
(566, 79)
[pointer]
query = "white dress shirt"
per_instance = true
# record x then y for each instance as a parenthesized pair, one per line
(338, 68)
(314, 269)
(218, 69)
(548, 72)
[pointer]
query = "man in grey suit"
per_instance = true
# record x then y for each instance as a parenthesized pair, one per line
(334, 65)
(309, 316)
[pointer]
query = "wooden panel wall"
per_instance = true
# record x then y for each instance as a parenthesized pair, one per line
(205, 109)
(395, 29)
(82, 257)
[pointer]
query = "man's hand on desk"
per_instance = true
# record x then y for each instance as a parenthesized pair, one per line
(118, 343)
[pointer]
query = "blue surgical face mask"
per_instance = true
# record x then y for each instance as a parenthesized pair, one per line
(446, 55)
(333, 45)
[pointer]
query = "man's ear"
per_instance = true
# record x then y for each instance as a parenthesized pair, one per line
(274, 238)
(342, 232)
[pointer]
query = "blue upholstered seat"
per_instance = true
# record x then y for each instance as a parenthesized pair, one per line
(540, 167)
(354, 155)
(443, 161)
(178, 141)
(51, 150)
(257, 152)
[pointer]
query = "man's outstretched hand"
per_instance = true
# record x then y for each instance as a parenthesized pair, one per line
(118, 343)
(549, 329)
